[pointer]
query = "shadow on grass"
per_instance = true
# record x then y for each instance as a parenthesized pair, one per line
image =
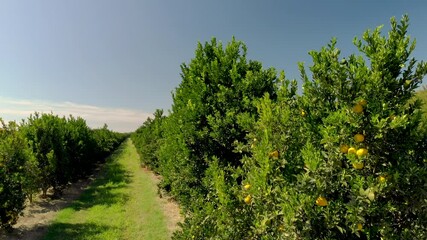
(65, 231)
(106, 189)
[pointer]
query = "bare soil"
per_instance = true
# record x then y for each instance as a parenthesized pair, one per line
(39, 214)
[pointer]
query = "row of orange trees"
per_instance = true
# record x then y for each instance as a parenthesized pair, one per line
(43, 152)
(249, 157)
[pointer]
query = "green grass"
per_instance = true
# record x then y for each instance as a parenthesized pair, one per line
(422, 95)
(120, 204)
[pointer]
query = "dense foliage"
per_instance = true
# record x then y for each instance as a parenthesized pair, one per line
(147, 140)
(16, 163)
(44, 152)
(209, 115)
(250, 158)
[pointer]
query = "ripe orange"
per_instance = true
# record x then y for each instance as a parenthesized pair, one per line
(344, 148)
(351, 150)
(358, 108)
(303, 113)
(362, 102)
(359, 138)
(274, 154)
(247, 186)
(358, 165)
(361, 152)
(321, 201)
(248, 199)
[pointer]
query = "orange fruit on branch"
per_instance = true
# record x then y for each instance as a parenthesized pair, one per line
(344, 148)
(362, 102)
(248, 199)
(359, 138)
(303, 113)
(358, 108)
(352, 150)
(361, 152)
(274, 154)
(358, 165)
(321, 201)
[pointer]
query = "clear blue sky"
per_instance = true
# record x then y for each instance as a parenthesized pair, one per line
(125, 55)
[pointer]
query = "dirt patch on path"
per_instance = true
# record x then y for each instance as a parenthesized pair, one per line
(39, 214)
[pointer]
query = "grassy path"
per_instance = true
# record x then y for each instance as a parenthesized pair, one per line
(121, 204)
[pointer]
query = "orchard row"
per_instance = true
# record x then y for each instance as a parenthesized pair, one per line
(249, 156)
(46, 152)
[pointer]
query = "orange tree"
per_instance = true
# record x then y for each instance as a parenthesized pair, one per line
(46, 135)
(347, 158)
(80, 147)
(46, 151)
(240, 202)
(147, 139)
(212, 108)
(106, 141)
(16, 162)
(66, 149)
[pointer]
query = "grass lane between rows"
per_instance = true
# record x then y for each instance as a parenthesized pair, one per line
(122, 203)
